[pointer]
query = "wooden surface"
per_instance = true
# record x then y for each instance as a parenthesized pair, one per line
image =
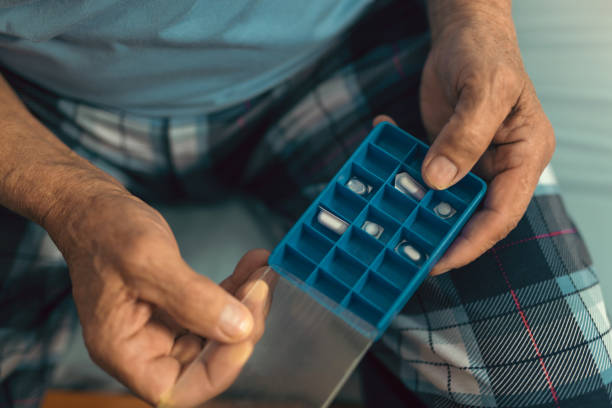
(65, 399)
(71, 399)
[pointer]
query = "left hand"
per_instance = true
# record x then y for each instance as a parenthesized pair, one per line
(480, 109)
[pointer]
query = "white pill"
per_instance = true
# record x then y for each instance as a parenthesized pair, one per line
(373, 229)
(408, 185)
(358, 187)
(444, 210)
(331, 222)
(412, 253)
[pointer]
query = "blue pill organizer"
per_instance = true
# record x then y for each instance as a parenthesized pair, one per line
(371, 237)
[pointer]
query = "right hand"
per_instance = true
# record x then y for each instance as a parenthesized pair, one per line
(144, 311)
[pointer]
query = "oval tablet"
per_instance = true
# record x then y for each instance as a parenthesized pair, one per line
(358, 187)
(412, 253)
(408, 185)
(331, 222)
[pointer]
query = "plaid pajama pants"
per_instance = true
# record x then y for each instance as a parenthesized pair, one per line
(523, 326)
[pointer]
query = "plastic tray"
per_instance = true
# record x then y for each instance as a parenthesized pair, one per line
(355, 271)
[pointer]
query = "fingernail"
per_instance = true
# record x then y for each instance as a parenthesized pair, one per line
(259, 292)
(441, 172)
(235, 320)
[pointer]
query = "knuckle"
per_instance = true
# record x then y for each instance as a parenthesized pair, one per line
(471, 144)
(507, 81)
(467, 144)
(137, 250)
(505, 75)
(144, 250)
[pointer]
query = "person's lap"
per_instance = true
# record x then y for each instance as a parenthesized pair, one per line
(524, 325)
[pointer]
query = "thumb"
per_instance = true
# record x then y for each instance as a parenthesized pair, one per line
(465, 137)
(204, 308)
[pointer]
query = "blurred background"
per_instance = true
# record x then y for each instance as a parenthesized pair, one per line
(567, 50)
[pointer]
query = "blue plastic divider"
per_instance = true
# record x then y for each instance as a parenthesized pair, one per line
(368, 271)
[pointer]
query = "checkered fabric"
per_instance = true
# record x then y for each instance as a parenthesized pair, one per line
(523, 326)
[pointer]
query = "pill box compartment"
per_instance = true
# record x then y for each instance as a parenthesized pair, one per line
(308, 241)
(296, 263)
(344, 266)
(414, 173)
(346, 203)
(376, 160)
(429, 226)
(444, 196)
(380, 218)
(396, 143)
(364, 309)
(365, 176)
(311, 220)
(467, 188)
(328, 285)
(414, 161)
(395, 203)
(396, 269)
(379, 291)
(424, 247)
(362, 246)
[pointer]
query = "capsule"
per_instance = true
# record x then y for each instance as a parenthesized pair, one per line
(444, 210)
(331, 222)
(373, 229)
(411, 252)
(408, 185)
(358, 187)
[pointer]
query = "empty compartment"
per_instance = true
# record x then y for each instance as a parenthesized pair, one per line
(394, 203)
(377, 224)
(359, 244)
(344, 267)
(329, 286)
(416, 157)
(413, 247)
(429, 226)
(364, 309)
(395, 269)
(379, 292)
(294, 263)
(394, 141)
(446, 206)
(376, 161)
(468, 188)
(359, 180)
(343, 201)
(333, 226)
(310, 242)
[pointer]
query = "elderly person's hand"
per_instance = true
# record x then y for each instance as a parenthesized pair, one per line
(480, 109)
(145, 312)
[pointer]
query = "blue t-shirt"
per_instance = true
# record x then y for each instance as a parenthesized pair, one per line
(167, 57)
